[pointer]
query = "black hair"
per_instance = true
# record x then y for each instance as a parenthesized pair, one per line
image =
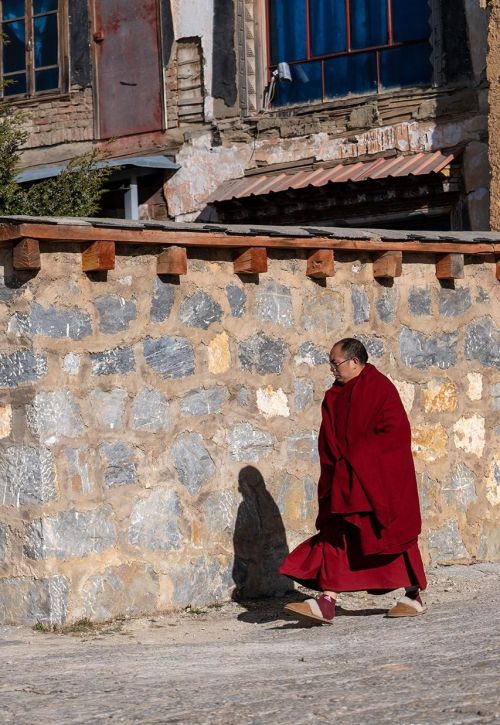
(353, 348)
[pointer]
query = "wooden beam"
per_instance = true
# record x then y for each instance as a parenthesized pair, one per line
(450, 266)
(26, 255)
(172, 261)
(498, 268)
(321, 264)
(388, 265)
(67, 233)
(251, 261)
(99, 257)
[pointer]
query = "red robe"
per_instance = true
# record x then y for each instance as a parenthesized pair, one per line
(369, 514)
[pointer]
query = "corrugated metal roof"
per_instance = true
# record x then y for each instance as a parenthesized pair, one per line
(269, 182)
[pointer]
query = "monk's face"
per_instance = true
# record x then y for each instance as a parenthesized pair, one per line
(343, 369)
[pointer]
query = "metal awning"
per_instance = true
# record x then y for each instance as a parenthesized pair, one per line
(147, 163)
(317, 174)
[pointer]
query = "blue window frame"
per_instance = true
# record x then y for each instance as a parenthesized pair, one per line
(31, 47)
(335, 48)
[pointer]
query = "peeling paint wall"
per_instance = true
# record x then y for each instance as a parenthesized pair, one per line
(158, 439)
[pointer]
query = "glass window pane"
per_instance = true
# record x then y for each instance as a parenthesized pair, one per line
(351, 74)
(14, 46)
(15, 84)
(368, 23)
(13, 9)
(305, 86)
(328, 26)
(410, 20)
(407, 66)
(288, 30)
(45, 36)
(44, 6)
(47, 80)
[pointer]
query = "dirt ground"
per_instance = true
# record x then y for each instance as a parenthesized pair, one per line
(252, 663)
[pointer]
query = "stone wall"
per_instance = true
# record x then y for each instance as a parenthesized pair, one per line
(158, 438)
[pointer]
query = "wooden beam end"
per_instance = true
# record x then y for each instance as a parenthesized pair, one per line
(450, 266)
(172, 261)
(99, 257)
(251, 261)
(388, 265)
(26, 255)
(321, 264)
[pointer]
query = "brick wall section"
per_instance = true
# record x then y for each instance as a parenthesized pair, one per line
(68, 119)
(150, 429)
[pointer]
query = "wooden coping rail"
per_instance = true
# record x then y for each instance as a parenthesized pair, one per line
(250, 249)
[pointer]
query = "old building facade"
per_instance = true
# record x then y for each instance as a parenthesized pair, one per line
(357, 113)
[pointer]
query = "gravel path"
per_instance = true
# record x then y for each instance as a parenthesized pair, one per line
(253, 664)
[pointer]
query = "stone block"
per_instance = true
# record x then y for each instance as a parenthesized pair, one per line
(422, 351)
(386, 304)
(303, 446)
(192, 461)
(201, 583)
(27, 476)
(108, 407)
(440, 396)
(218, 515)
(56, 322)
(77, 470)
(446, 545)
(71, 363)
(200, 310)
(155, 522)
(163, 300)
(303, 393)
(119, 459)
(273, 303)
(311, 355)
(249, 444)
(272, 403)
(204, 401)
(5, 420)
(262, 354)
(419, 301)
(115, 313)
(128, 590)
(429, 442)
(169, 357)
(460, 489)
(482, 342)
(21, 366)
(469, 434)
(118, 361)
(495, 396)
(406, 393)
(493, 483)
(243, 396)
(454, 302)
(360, 305)
(297, 501)
(219, 354)
(489, 542)
(475, 387)
(27, 601)
(236, 296)
(323, 311)
(70, 534)
(150, 411)
(53, 415)
(3, 541)
(374, 345)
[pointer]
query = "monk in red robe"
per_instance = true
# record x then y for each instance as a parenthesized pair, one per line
(369, 515)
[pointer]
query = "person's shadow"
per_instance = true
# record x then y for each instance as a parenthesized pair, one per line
(259, 548)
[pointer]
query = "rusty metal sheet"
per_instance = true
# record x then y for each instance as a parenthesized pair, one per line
(268, 182)
(128, 67)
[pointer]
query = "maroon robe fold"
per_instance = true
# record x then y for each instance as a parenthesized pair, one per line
(369, 514)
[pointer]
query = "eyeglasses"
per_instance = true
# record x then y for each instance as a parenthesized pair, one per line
(336, 366)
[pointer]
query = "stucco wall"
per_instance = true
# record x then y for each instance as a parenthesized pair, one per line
(151, 428)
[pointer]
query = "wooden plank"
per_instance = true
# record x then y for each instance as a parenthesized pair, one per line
(388, 265)
(251, 261)
(26, 255)
(99, 257)
(172, 261)
(450, 266)
(68, 233)
(321, 264)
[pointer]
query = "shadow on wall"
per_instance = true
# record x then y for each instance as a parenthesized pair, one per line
(259, 541)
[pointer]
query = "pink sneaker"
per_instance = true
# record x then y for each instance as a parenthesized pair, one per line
(322, 609)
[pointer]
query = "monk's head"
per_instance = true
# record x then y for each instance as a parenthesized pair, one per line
(347, 359)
